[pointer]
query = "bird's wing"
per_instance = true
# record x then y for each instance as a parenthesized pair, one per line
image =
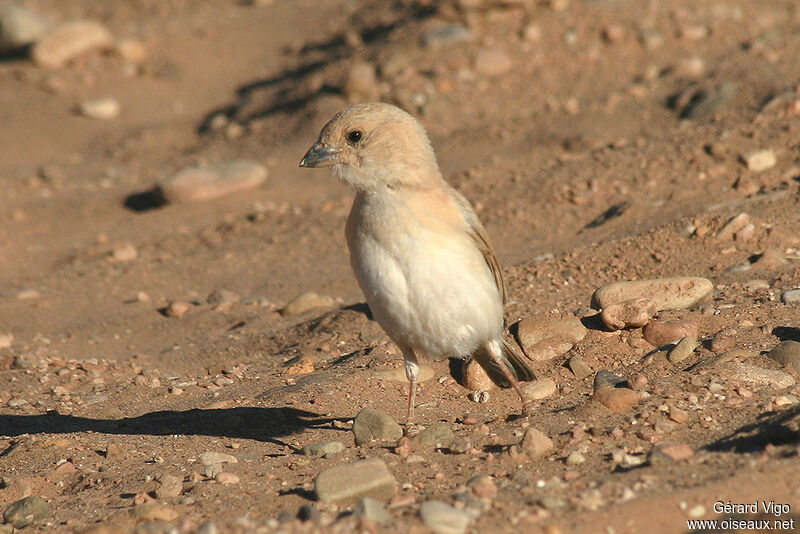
(478, 234)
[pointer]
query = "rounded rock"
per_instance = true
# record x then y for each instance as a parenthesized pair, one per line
(373, 425)
(26, 511)
(348, 483)
(69, 41)
(19, 27)
(536, 444)
(682, 350)
(631, 313)
(616, 399)
(306, 302)
(492, 62)
(539, 389)
(197, 184)
(666, 293)
(660, 333)
(787, 352)
(475, 376)
(790, 296)
(176, 308)
(442, 518)
(544, 337)
(100, 109)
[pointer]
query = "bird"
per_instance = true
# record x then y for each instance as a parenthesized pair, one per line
(417, 248)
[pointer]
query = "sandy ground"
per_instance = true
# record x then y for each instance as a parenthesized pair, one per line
(600, 141)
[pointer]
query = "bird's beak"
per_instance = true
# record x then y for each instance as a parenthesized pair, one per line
(320, 155)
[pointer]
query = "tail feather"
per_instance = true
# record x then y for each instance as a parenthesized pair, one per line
(518, 365)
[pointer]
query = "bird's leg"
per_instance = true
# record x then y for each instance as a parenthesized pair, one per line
(495, 352)
(412, 373)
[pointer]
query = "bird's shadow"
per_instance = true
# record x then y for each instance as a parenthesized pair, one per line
(261, 424)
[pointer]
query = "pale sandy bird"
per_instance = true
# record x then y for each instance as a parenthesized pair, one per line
(417, 248)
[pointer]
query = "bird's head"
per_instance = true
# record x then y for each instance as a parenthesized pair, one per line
(375, 145)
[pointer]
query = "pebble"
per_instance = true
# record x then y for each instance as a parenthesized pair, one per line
(176, 308)
(615, 399)
(535, 444)
(26, 511)
(532, 32)
(153, 512)
(677, 415)
(195, 184)
(371, 509)
(665, 453)
(702, 103)
(132, 50)
(736, 224)
(209, 527)
(442, 518)
(475, 376)
(350, 482)
(211, 458)
(171, 486)
(306, 302)
(756, 285)
(575, 458)
(100, 108)
(667, 293)
(723, 341)
(398, 374)
(631, 313)
(69, 41)
(19, 27)
(544, 337)
(6, 340)
(637, 382)
(227, 479)
(492, 62)
(539, 389)
(771, 258)
(682, 350)
(446, 35)
(787, 352)
(373, 425)
(222, 297)
(663, 332)
(362, 84)
(607, 379)
(790, 296)
(760, 160)
(438, 435)
(579, 367)
(126, 252)
(741, 372)
(323, 448)
(691, 67)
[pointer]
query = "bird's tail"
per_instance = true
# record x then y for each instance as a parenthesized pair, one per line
(517, 364)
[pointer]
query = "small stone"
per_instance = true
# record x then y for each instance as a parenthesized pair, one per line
(750, 374)
(631, 313)
(702, 103)
(674, 451)
(442, 518)
(736, 224)
(575, 458)
(196, 184)
(579, 367)
(100, 108)
(349, 482)
(483, 487)
(222, 297)
(446, 35)
(492, 62)
(607, 379)
(461, 445)
(171, 486)
(227, 479)
(756, 285)
(153, 512)
(787, 353)
(772, 258)
(323, 448)
(6, 340)
(664, 332)
(126, 252)
(723, 341)
(535, 444)
(211, 458)
(691, 67)
(132, 51)
(373, 425)
(651, 39)
(69, 41)
(667, 293)
(362, 84)
(677, 415)
(19, 27)
(532, 32)
(26, 511)
(475, 376)
(438, 435)
(209, 527)
(637, 382)
(539, 389)
(790, 296)
(176, 308)
(616, 399)
(682, 350)
(760, 160)
(480, 396)
(544, 337)
(306, 302)
(371, 509)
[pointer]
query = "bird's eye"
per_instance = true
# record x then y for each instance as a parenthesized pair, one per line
(354, 136)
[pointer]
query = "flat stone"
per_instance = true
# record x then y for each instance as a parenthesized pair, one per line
(790, 296)
(322, 448)
(211, 458)
(196, 184)
(666, 453)
(398, 374)
(666, 293)
(348, 483)
(70, 40)
(544, 337)
(750, 374)
(539, 389)
(475, 377)
(663, 332)
(616, 399)
(438, 435)
(19, 27)
(100, 108)
(787, 352)
(446, 35)
(306, 302)
(579, 367)
(373, 425)
(153, 512)
(631, 313)
(535, 444)
(442, 518)
(371, 509)
(26, 511)
(760, 160)
(682, 350)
